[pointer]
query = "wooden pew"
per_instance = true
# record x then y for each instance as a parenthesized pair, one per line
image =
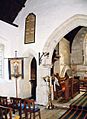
(83, 83)
(70, 87)
(66, 85)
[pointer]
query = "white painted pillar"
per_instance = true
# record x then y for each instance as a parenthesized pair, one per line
(42, 87)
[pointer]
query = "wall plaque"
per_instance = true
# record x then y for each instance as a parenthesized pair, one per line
(30, 28)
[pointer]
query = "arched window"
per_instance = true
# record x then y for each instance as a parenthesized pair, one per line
(1, 60)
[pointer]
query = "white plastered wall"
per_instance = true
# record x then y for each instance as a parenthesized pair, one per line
(8, 37)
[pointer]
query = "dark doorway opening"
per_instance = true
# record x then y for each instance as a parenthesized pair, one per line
(33, 78)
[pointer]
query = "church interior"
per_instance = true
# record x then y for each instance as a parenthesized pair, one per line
(43, 59)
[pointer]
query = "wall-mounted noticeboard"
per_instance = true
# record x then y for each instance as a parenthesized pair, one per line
(30, 28)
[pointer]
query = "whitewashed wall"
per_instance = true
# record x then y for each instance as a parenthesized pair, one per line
(8, 37)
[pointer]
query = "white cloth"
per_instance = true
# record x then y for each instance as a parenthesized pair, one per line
(56, 83)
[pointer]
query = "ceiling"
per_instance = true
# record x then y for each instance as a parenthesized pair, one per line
(9, 10)
(70, 36)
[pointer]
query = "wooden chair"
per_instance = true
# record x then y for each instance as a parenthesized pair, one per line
(17, 105)
(5, 112)
(30, 108)
(3, 101)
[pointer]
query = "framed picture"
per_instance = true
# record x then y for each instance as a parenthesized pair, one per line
(16, 67)
(30, 28)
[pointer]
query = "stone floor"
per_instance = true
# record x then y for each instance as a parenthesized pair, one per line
(59, 108)
(52, 114)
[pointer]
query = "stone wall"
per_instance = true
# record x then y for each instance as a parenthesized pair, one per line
(79, 54)
(64, 52)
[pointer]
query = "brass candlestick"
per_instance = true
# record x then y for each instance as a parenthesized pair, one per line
(49, 104)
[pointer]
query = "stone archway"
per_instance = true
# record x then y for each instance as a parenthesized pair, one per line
(33, 80)
(25, 85)
(54, 38)
(61, 31)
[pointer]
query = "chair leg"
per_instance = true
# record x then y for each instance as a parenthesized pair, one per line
(20, 114)
(39, 115)
(26, 115)
(5, 114)
(30, 115)
(33, 115)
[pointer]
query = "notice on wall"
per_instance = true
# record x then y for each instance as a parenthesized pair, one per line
(30, 28)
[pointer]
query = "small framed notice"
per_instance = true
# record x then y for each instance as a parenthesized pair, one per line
(30, 28)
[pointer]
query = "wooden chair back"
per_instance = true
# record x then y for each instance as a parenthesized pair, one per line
(5, 112)
(16, 104)
(30, 108)
(3, 100)
(29, 103)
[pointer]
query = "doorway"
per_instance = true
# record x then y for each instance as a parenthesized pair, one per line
(33, 78)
